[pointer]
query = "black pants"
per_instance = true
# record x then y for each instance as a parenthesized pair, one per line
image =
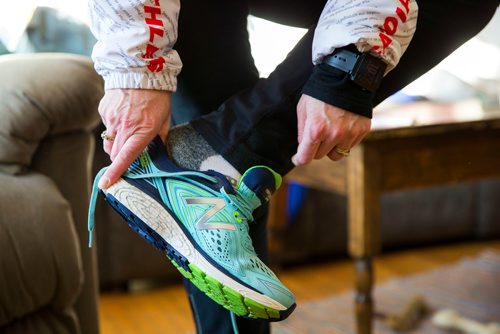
(252, 121)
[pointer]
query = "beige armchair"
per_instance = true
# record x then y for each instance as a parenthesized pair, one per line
(48, 277)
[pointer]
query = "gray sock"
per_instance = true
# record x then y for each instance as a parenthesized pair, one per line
(188, 149)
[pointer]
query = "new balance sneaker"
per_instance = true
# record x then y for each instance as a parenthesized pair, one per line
(201, 222)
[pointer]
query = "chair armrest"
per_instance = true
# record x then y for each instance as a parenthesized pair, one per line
(43, 95)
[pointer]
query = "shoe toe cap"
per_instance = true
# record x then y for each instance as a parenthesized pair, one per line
(278, 292)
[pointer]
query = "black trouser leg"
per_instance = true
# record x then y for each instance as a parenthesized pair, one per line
(213, 44)
(217, 63)
(259, 125)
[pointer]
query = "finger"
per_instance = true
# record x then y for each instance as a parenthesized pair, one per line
(107, 144)
(333, 155)
(307, 149)
(313, 135)
(358, 139)
(128, 153)
(305, 152)
(120, 139)
(328, 144)
(344, 145)
(362, 133)
(324, 149)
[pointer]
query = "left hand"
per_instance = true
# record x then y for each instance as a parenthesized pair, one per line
(323, 127)
(133, 117)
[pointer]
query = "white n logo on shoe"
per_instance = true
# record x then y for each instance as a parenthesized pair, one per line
(217, 205)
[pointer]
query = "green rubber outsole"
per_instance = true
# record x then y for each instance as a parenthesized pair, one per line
(227, 297)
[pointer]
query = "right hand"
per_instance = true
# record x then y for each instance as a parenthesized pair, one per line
(323, 127)
(133, 117)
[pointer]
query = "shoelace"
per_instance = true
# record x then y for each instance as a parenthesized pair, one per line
(93, 200)
(233, 322)
(238, 202)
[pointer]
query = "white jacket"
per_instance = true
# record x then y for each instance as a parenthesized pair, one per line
(136, 37)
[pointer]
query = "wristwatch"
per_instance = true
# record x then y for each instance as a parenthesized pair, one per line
(364, 69)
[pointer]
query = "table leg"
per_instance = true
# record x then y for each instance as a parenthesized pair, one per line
(364, 301)
(363, 196)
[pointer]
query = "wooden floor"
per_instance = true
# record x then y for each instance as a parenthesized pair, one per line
(166, 310)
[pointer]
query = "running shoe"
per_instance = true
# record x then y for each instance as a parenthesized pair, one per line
(201, 222)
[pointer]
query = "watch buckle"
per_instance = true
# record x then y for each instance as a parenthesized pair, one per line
(368, 71)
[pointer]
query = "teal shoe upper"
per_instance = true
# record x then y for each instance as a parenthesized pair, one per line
(213, 214)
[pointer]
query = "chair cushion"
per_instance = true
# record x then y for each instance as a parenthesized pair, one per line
(40, 262)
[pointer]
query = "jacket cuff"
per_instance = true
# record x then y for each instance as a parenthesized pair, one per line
(334, 87)
(140, 80)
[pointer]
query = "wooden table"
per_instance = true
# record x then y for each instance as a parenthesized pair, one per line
(419, 145)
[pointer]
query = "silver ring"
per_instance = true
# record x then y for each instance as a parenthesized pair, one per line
(105, 136)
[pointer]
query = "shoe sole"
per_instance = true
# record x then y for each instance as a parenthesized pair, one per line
(157, 226)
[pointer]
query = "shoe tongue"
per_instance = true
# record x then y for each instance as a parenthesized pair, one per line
(158, 154)
(262, 180)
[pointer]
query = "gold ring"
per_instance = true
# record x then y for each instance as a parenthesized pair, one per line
(105, 136)
(342, 151)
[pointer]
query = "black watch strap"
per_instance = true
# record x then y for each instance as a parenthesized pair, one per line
(364, 69)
